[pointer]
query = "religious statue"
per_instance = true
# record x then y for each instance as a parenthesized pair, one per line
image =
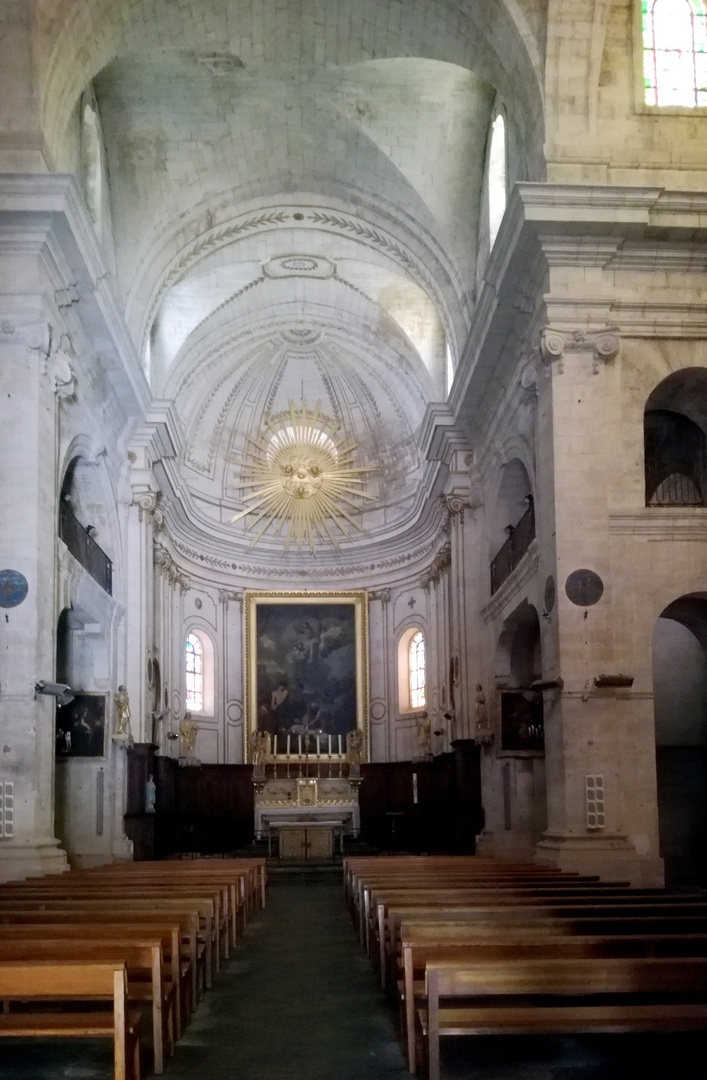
(150, 795)
(424, 735)
(122, 712)
(261, 747)
(188, 731)
(482, 729)
(354, 751)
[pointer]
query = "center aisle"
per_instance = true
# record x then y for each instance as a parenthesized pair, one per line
(297, 1001)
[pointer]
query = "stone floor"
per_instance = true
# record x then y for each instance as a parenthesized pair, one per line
(299, 1002)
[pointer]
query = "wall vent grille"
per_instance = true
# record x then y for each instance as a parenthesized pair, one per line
(595, 803)
(7, 809)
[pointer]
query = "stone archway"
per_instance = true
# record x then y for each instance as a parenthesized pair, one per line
(680, 701)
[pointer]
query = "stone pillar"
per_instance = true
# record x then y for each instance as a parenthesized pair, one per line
(589, 730)
(382, 675)
(34, 370)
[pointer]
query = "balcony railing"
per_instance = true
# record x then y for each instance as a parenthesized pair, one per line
(85, 549)
(515, 547)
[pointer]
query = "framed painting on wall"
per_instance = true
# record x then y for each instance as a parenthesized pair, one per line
(306, 670)
(81, 727)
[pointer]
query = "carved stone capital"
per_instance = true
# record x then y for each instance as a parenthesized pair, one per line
(60, 368)
(184, 582)
(552, 347)
(380, 594)
(162, 558)
(603, 344)
(226, 596)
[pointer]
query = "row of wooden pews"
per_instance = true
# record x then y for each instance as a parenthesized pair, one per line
(472, 946)
(112, 942)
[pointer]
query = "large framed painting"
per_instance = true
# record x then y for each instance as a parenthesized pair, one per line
(81, 727)
(306, 671)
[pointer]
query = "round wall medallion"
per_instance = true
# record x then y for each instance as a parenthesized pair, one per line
(584, 587)
(378, 710)
(13, 588)
(234, 711)
(198, 604)
(550, 594)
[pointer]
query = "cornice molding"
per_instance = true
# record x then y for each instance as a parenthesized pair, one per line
(661, 523)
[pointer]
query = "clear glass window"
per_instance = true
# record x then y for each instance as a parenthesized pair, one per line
(675, 52)
(417, 671)
(497, 176)
(194, 662)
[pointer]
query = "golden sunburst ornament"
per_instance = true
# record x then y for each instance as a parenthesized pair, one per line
(303, 480)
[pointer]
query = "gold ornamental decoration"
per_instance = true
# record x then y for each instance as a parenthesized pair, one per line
(301, 481)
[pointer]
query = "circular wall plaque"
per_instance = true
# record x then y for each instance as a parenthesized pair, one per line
(550, 592)
(584, 587)
(13, 588)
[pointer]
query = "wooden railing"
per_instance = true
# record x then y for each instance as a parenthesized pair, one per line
(85, 549)
(513, 550)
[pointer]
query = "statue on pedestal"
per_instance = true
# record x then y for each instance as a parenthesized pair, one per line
(482, 728)
(354, 751)
(122, 714)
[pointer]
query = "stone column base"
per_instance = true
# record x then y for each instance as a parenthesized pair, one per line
(613, 858)
(31, 859)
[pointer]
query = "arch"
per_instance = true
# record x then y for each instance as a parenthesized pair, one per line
(412, 670)
(199, 672)
(88, 34)
(512, 522)
(518, 664)
(675, 440)
(679, 659)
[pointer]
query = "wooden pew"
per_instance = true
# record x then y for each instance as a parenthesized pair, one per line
(530, 914)
(208, 903)
(21, 925)
(417, 953)
(143, 964)
(107, 909)
(555, 997)
(78, 981)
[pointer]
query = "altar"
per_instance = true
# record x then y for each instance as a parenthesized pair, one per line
(308, 815)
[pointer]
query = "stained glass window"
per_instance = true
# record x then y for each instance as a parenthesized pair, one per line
(194, 658)
(675, 52)
(417, 671)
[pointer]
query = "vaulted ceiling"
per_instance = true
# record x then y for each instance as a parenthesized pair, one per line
(295, 197)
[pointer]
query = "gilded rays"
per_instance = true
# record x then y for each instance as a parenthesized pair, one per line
(300, 481)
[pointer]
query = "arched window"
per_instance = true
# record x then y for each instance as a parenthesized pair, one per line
(675, 440)
(194, 671)
(675, 52)
(412, 670)
(417, 671)
(497, 176)
(199, 673)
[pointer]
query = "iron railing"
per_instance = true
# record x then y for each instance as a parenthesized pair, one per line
(85, 549)
(505, 561)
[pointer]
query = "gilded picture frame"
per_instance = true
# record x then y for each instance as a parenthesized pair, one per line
(306, 672)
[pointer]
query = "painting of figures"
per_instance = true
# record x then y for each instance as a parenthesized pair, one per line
(81, 727)
(305, 665)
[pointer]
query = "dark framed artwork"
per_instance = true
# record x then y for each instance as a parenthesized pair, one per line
(81, 727)
(522, 726)
(306, 670)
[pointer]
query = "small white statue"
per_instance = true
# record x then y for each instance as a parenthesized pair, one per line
(150, 795)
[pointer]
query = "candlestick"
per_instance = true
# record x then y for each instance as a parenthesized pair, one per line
(318, 744)
(288, 744)
(330, 746)
(299, 744)
(274, 746)
(339, 743)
